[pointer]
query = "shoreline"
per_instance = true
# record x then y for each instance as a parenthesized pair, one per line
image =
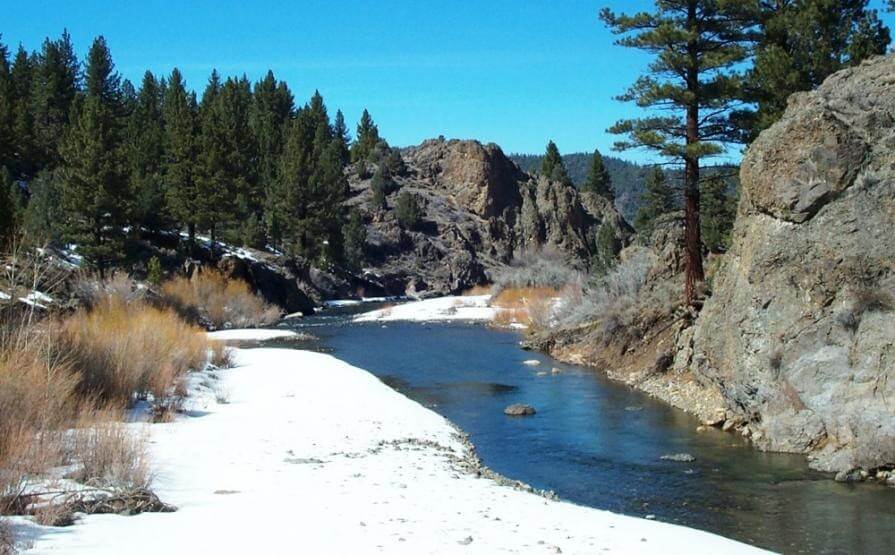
(312, 453)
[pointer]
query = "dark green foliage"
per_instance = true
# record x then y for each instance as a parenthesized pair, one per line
(718, 213)
(9, 207)
(342, 137)
(25, 159)
(598, 179)
(179, 112)
(659, 199)
(408, 211)
(606, 249)
(354, 238)
(154, 273)
(7, 101)
(801, 43)
(44, 215)
(552, 166)
(53, 90)
(95, 192)
(144, 143)
(381, 185)
(395, 162)
(367, 138)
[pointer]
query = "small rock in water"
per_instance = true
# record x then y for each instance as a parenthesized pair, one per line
(890, 481)
(541, 374)
(519, 409)
(556, 371)
(849, 476)
(679, 457)
(633, 409)
(650, 517)
(532, 362)
(465, 541)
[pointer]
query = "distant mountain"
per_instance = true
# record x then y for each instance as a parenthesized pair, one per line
(627, 177)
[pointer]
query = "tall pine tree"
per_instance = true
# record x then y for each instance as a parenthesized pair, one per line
(179, 112)
(95, 196)
(658, 199)
(53, 90)
(697, 45)
(272, 108)
(367, 138)
(598, 179)
(552, 166)
(145, 135)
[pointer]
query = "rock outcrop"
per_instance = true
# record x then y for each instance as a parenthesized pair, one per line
(479, 212)
(799, 334)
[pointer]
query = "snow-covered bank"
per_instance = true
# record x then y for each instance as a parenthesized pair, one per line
(454, 308)
(250, 335)
(312, 455)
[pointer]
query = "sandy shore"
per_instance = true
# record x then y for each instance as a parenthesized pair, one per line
(311, 455)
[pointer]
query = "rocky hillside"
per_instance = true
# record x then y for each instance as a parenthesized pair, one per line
(800, 332)
(479, 211)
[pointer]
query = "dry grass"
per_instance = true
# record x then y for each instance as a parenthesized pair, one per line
(209, 297)
(110, 455)
(532, 307)
(221, 355)
(123, 351)
(478, 290)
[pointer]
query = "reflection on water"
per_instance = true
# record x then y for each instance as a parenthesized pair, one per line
(599, 443)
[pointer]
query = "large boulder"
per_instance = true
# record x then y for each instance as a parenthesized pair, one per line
(799, 333)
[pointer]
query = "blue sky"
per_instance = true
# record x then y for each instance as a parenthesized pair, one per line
(513, 72)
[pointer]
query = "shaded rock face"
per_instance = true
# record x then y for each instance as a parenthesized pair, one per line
(799, 334)
(479, 211)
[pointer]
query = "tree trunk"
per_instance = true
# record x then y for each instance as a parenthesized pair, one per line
(693, 269)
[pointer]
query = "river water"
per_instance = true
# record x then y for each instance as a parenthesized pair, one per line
(599, 443)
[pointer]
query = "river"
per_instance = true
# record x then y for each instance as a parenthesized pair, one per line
(599, 443)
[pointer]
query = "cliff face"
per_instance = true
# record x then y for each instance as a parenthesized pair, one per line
(479, 211)
(799, 334)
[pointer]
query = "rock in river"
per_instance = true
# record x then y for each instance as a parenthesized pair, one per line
(679, 457)
(519, 410)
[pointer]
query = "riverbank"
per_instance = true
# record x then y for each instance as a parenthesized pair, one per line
(308, 453)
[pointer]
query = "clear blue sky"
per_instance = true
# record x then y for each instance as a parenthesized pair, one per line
(513, 72)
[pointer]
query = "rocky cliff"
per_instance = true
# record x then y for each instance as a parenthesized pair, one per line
(799, 334)
(479, 211)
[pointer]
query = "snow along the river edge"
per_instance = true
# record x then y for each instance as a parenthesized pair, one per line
(312, 455)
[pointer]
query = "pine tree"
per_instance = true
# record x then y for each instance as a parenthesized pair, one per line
(802, 42)
(7, 101)
(367, 138)
(272, 108)
(145, 135)
(354, 238)
(9, 208)
(598, 180)
(179, 113)
(95, 193)
(552, 166)
(380, 186)
(606, 248)
(343, 137)
(697, 45)
(658, 199)
(408, 211)
(293, 210)
(719, 213)
(22, 77)
(54, 87)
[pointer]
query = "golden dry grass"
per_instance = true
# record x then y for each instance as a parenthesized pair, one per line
(209, 295)
(522, 297)
(478, 290)
(126, 351)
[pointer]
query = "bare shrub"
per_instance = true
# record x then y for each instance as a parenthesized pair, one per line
(613, 293)
(221, 394)
(120, 287)
(220, 302)
(127, 351)
(7, 540)
(536, 269)
(221, 355)
(109, 454)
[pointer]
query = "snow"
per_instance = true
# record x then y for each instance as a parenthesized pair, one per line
(336, 303)
(39, 297)
(451, 308)
(4, 296)
(249, 335)
(295, 462)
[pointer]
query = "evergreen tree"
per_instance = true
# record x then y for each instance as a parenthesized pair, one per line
(380, 186)
(354, 238)
(95, 196)
(802, 42)
(24, 165)
(145, 135)
(9, 206)
(215, 197)
(367, 138)
(342, 136)
(598, 180)
(697, 45)
(408, 211)
(7, 101)
(552, 166)
(54, 87)
(659, 199)
(272, 108)
(606, 249)
(179, 113)
(44, 215)
(719, 213)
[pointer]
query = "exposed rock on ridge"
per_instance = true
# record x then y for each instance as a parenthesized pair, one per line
(799, 334)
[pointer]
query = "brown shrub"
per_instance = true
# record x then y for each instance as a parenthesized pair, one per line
(211, 297)
(221, 355)
(127, 351)
(109, 454)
